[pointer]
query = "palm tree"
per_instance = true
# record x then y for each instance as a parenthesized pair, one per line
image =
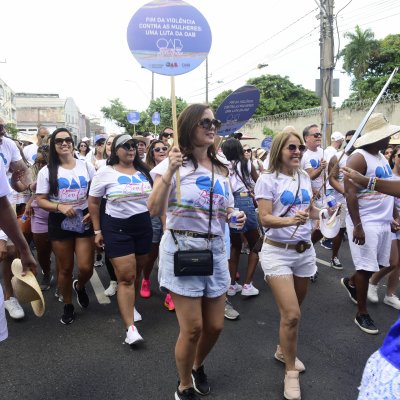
(357, 53)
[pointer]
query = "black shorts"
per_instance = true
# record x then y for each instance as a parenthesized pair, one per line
(124, 236)
(56, 233)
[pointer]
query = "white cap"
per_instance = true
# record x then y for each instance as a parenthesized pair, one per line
(337, 136)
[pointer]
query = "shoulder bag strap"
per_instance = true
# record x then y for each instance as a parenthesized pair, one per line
(211, 200)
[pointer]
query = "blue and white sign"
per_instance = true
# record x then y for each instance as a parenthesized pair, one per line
(169, 37)
(266, 143)
(155, 118)
(237, 109)
(133, 117)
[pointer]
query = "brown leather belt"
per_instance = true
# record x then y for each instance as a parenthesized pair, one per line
(300, 247)
(193, 234)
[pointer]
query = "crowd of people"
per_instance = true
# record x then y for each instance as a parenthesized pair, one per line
(194, 207)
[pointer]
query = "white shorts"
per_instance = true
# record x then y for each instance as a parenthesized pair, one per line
(276, 261)
(396, 236)
(376, 250)
(3, 321)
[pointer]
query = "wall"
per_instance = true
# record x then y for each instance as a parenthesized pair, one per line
(343, 120)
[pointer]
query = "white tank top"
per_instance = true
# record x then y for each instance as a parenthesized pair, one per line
(340, 177)
(375, 207)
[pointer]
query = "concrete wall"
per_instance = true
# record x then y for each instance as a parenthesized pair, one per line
(343, 121)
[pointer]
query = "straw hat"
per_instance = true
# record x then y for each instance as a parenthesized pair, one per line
(260, 153)
(140, 138)
(377, 128)
(26, 288)
(329, 226)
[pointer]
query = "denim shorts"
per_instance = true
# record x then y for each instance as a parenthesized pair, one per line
(193, 286)
(157, 229)
(246, 205)
(124, 236)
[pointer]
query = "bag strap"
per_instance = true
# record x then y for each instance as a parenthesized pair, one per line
(209, 210)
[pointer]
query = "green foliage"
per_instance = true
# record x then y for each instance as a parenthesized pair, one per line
(278, 94)
(370, 62)
(268, 131)
(118, 112)
(11, 130)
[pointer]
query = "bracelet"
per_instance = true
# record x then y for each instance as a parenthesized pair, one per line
(97, 232)
(360, 223)
(374, 183)
(164, 181)
(370, 181)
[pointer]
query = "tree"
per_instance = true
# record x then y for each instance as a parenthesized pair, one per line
(219, 99)
(278, 94)
(357, 53)
(118, 112)
(12, 130)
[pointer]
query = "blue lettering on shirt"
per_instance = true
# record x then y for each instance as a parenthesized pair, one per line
(315, 163)
(4, 159)
(383, 172)
(64, 183)
(126, 180)
(287, 198)
(204, 183)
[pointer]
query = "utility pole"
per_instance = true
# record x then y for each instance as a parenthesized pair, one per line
(326, 65)
(207, 80)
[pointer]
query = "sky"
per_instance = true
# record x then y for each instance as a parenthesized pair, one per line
(79, 48)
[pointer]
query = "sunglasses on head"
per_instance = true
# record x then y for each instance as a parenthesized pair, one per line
(167, 135)
(247, 150)
(129, 145)
(158, 149)
(293, 147)
(207, 123)
(315, 135)
(60, 141)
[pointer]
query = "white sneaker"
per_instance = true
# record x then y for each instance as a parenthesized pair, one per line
(233, 289)
(392, 301)
(132, 335)
(249, 290)
(14, 308)
(136, 315)
(98, 264)
(112, 289)
(59, 296)
(373, 293)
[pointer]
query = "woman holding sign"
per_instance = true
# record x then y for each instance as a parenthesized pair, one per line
(194, 235)
(284, 201)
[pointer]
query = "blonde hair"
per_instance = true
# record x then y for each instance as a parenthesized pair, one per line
(278, 143)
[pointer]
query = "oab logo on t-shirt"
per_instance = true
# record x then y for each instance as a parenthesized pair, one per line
(220, 192)
(315, 163)
(72, 190)
(383, 172)
(287, 198)
(134, 184)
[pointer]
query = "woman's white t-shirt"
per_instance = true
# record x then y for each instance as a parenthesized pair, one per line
(126, 194)
(193, 211)
(73, 184)
(235, 177)
(281, 190)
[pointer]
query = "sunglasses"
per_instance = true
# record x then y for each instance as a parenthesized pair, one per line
(167, 135)
(158, 149)
(82, 145)
(61, 141)
(315, 135)
(293, 147)
(207, 123)
(129, 146)
(247, 150)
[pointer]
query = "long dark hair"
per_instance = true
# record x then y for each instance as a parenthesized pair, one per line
(187, 124)
(138, 164)
(150, 162)
(233, 151)
(54, 161)
(87, 147)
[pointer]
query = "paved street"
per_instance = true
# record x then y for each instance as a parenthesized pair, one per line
(43, 359)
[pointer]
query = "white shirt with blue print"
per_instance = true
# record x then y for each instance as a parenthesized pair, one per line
(312, 159)
(281, 190)
(193, 211)
(126, 194)
(73, 184)
(30, 153)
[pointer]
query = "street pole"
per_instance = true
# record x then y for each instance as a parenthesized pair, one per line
(152, 85)
(326, 64)
(206, 80)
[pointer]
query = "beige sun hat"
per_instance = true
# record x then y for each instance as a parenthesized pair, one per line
(26, 288)
(260, 152)
(377, 128)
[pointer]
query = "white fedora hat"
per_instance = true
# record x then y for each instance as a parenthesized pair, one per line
(377, 128)
(26, 288)
(329, 226)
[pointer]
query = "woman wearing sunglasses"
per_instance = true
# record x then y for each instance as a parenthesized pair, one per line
(242, 175)
(62, 190)
(83, 150)
(195, 222)
(288, 260)
(125, 230)
(156, 153)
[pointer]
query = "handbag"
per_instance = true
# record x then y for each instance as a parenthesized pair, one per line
(195, 262)
(74, 224)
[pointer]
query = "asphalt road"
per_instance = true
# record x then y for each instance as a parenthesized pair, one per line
(43, 359)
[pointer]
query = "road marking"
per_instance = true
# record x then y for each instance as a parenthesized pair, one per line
(99, 288)
(323, 262)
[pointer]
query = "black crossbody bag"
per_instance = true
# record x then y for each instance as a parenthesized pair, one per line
(195, 262)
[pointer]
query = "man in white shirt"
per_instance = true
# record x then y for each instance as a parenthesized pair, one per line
(31, 150)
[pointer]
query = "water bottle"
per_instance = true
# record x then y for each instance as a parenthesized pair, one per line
(330, 201)
(24, 218)
(233, 221)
